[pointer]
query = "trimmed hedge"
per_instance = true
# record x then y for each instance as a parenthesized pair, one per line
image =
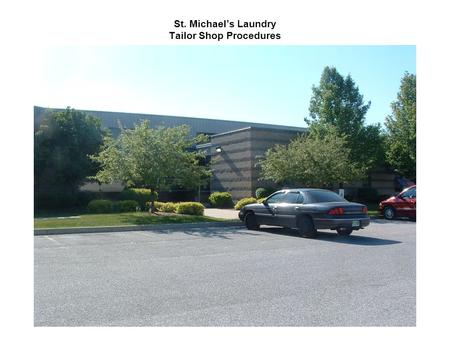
(125, 206)
(100, 207)
(164, 207)
(221, 200)
(140, 195)
(243, 202)
(190, 208)
(263, 192)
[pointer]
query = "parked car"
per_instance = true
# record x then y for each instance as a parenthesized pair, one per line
(401, 205)
(306, 210)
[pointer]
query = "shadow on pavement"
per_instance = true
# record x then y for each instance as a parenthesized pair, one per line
(211, 232)
(333, 237)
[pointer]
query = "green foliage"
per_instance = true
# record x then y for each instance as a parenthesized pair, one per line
(153, 158)
(337, 106)
(221, 200)
(244, 201)
(264, 192)
(310, 161)
(164, 207)
(61, 148)
(190, 208)
(367, 194)
(126, 205)
(401, 129)
(142, 196)
(100, 207)
(260, 200)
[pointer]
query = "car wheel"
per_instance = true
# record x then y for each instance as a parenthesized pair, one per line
(344, 231)
(389, 213)
(250, 221)
(305, 227)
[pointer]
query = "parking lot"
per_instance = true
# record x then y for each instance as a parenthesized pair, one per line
(228, 276)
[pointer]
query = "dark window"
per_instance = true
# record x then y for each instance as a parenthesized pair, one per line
(291, 197)
(411, 193)
(277, 198)
(319, 196)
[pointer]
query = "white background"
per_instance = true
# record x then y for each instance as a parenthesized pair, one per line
(27, 27)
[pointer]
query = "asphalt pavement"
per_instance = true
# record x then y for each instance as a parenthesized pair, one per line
(228, 276)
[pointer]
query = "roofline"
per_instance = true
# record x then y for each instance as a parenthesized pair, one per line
(289, 129)
(263, 125)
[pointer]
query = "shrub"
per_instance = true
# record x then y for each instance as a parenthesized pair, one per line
(140, 195)
(84, 197)
(164, 207)
(221, 200)
(125, 206)
(100, 207)
(260, 200)
(190, 208)
(243, 202)
(367, 194)
(264, 192)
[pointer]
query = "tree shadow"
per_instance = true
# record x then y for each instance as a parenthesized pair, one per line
(207, 232)
(333, 237)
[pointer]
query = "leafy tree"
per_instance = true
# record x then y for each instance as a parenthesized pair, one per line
(151, 158)
(337, 104)
(61, 148)
(401, 129)
(311, 161)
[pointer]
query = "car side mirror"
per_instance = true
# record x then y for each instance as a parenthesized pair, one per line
(265, 202)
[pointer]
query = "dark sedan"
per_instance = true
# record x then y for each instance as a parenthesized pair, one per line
(306, 210)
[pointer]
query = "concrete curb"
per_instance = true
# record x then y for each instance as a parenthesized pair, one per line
(121, 228)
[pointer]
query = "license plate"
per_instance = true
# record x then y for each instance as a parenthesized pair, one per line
(355, 224)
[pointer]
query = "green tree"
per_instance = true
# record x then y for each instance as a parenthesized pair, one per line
(151, 158)
(337, 104)
(311, 161)
(61, 148)
(401, 129)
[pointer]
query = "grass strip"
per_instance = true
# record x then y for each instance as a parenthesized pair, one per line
(131, 218)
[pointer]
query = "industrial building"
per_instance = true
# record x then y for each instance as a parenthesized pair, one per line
(233, 152)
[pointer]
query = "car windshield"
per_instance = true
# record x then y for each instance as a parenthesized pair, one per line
(319, 196)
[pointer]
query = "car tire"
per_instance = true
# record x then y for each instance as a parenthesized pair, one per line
(389, 213)
(344, 231)
(305, 227)
(250, 221)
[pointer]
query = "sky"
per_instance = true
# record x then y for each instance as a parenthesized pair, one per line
(266, 84)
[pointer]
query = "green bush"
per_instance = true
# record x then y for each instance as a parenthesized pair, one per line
(140, 195)
(100, 207)
(367, 194)
(264, 192)
(221, 200)
(243, 202)
(125, 206)
(260, 200)
(164, 207)
(190, 208)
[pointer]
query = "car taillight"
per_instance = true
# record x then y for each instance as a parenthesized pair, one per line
(336, 211)
(364, 210)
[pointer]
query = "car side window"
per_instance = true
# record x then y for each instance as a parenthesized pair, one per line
(411, 193)
(291, 197)
(277, 198)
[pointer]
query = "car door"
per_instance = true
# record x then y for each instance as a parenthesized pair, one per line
(266, 214)
(285, 213)
(410, 200)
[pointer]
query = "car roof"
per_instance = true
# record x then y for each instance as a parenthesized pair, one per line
(303, 190)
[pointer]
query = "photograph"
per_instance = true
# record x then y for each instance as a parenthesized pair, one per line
(249, 185)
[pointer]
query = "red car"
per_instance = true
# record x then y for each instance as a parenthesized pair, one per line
(402, 205)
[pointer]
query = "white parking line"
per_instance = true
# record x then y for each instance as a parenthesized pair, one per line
(52, 239)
